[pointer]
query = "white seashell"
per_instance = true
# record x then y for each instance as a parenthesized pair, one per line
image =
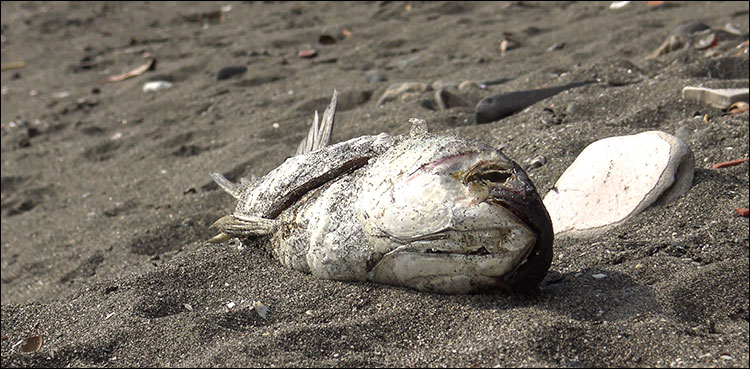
(616, 178)
(156, 86)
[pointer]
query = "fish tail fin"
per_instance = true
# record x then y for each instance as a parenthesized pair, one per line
(237, 225)
(319, 134)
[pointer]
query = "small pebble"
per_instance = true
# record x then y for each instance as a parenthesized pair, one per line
(536, 162)
(306, 54)
(557, 46)
(400, 90)
(690, 27)
(447, 99)
(326, 39)
(156, 86)
(229, 72)
(405, 62)
(261, 309)
(375, 76)
(720, 98)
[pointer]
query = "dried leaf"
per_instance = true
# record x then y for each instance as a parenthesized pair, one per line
(13, 65)
(32, 344)
(151, 65)
(326, 40)
(743, 212)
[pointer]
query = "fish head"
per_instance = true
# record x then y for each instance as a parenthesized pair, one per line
(452, 215)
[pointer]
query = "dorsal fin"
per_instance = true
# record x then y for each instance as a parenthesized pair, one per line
(232, 188)
(319, 134)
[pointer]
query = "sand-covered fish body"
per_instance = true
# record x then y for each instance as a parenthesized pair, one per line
(431, 212)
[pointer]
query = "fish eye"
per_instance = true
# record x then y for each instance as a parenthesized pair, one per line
(488, 173)
(493, 177)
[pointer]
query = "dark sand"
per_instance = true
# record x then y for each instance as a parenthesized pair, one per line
(106, 198)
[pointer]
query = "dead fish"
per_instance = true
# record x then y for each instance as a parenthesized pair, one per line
(431, 212)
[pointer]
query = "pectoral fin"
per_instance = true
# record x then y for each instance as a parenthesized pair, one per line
(232, 188)
(237, 225)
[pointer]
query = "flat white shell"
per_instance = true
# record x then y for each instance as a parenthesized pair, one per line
(616, 178)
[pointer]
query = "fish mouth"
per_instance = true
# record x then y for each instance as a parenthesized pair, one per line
(520, 197)
(481, 251)
(510, 250)
(431, 269)
(477, 252)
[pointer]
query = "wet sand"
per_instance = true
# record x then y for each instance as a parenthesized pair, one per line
(106, 198)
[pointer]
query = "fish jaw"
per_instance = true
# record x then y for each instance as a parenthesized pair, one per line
(483, 260)
(466, 220)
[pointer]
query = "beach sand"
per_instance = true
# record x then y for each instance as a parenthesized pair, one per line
(106, 195)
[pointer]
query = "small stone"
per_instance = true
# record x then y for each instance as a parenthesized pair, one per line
(306, 54)
(405, 62)
(375, 76)
(468, 86)
(615, 178)
(536, 162)
(447, 99)
(261, 309)
(442, 84)
(401, 90)
(156, 86)
(557, 46)
(32, 344)
(718, 98)
(229, 72)
(690, 27)
(733, 29)
(326, 39)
